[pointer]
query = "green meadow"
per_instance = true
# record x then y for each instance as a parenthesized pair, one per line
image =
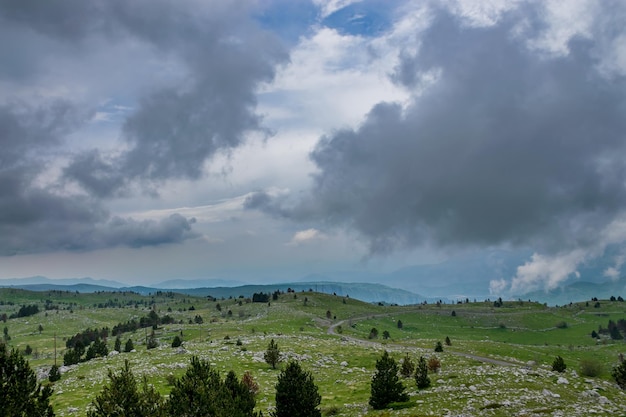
(498, 362)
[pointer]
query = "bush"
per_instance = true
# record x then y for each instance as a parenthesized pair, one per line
(434, 364)
(448, 342)
(559, 364)
(438, 347)
(249, 382)
(177, 341)
(590, 367)
(373, 333)
(561, 325)
(619, 374)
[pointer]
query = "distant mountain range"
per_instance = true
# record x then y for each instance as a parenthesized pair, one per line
(369, 292)
(444, 279)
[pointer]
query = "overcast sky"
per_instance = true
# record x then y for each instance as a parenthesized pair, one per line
(265, 140)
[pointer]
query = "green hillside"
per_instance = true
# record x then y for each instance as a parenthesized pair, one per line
(498, 363)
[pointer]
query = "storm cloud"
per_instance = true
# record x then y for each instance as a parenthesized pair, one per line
(502, 144)
(209, 60)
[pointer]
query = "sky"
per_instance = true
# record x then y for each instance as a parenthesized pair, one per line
(263, 141)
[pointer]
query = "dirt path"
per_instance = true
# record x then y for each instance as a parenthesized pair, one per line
(332, 330)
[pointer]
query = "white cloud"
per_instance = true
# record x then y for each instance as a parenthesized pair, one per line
(328, 7)
(305, 236)
(497, 286)
(546, 272)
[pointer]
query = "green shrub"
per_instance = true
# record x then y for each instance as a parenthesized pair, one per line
(590, 367)
(558, 365)
(619, 374)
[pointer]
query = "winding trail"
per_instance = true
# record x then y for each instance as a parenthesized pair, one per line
(332, 330)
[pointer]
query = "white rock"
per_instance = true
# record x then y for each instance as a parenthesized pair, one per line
(344, 363)
(562, 380)
(113, 353)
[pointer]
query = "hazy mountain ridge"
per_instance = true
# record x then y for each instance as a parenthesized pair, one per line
(368, 292)
(365, 291)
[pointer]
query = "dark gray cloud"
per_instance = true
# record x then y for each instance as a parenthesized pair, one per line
(220, 59)
(509, 146)
(36, 218)
(175, 129)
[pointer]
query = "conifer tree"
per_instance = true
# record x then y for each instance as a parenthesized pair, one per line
(386, 385)
(118, 344)
(54, 375)
(200, 392)
(20, 393)
(421, 374)
(272, 354)
(407, 368)
(129, 345)
(558, 365)
(296, 393)
(121, 397)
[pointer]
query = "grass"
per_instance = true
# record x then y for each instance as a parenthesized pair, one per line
(525, 333)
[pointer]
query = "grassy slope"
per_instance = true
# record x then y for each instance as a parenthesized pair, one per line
(517, 332)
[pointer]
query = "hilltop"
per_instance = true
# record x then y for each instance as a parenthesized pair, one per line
(498, 363)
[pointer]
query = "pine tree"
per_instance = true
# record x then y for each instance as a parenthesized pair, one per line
(438, 347)
(296, 393)
(121, 397)
(448, 342)
(54, 375)
(421, 374)
(177, 341)
(272, 354)
(558, 365)
(129, 346)
(407, 368)
(201, 392)
(20, 394)
(386, 385)
(118, 344)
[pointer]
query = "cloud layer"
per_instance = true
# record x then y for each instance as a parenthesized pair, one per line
(195, 67)
(513, 137)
